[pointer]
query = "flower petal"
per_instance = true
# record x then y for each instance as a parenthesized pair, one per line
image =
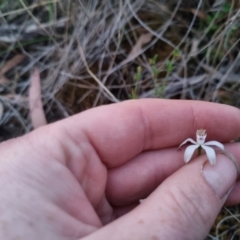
(215, 143)
(187, 140)
(210, 154)
(189, 152)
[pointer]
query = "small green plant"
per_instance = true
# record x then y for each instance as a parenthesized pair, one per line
(155, 73)
(214, 20)
(159, 89)
(169, 68)
(213, 27)
(51, 13)
(137, 79)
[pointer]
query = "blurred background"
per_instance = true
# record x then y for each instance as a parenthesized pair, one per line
(61, 57)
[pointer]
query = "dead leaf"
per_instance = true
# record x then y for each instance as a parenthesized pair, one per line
(8, 66)
(12, 63)
(143, 39)
(35, 101)
(200, 14)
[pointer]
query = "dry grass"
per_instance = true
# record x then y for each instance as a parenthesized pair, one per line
(97, 52)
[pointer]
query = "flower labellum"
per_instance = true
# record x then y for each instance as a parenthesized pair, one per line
(201, 144)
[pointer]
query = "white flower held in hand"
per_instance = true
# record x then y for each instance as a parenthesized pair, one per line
(201, 136)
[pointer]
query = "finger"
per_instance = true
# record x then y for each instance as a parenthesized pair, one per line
(139, 177)
(121, 131)
(183, 207)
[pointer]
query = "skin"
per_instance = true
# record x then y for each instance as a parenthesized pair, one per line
(69, 179)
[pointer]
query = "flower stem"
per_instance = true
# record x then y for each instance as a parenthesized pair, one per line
(199, 150)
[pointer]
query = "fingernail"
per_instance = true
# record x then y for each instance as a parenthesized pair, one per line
(222, 176)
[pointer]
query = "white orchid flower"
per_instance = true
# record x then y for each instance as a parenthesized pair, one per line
(201, 136)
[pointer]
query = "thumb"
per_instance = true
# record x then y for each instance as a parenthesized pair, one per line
(184, 206)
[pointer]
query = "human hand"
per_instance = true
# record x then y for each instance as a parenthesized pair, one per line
(73, 179)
